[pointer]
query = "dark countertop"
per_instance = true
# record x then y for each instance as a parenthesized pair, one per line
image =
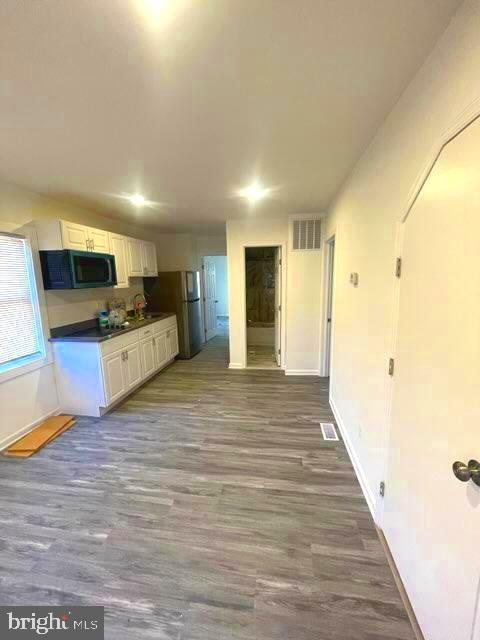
(89, 331)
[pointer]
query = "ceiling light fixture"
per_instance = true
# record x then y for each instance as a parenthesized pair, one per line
(254, 192)
(137, 200)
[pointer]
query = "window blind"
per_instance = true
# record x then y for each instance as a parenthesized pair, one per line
(20, 334)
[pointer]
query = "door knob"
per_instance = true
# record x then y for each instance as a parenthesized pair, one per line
(465, 472)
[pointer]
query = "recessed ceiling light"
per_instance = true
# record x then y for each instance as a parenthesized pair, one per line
(254, 192)
(137, 200)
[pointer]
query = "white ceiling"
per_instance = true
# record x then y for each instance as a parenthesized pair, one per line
(185, 101)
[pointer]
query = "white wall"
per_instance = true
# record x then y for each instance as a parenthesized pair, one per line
(184, 251)
(365, 217)
(210, 246)
(301, 294)
(221, 282)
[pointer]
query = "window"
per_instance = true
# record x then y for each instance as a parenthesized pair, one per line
(21, 336)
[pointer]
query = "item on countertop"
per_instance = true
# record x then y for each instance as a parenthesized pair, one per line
(139, 304)
(103, 319)
(114, 319)
(119, 308)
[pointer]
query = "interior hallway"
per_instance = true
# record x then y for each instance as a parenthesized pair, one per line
(206, 507)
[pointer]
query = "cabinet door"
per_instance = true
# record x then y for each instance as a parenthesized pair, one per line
(150, 267)
(99, 240)
(149, 363)
(133, 366)
(172, 343)
(161, 350)
(135, 258)
(114, 376)
(118, 247)
(74, 236)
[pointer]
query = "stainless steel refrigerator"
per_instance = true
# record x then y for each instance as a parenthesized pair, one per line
(179, 292)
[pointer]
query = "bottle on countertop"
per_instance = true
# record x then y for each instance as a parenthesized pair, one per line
(103, 319)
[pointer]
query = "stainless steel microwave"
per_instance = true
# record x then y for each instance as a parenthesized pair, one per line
(69, 269)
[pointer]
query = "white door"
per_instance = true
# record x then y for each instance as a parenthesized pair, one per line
(278, 304)
(135, 258)
(75, 236)
(99, 240)
(431, 519)
(133, 366)
(114, 376)
(118, 247)
(209, 300)
(161, 349)
(150, 259)
(149, 365)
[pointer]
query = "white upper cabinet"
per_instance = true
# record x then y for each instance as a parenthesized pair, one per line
(74, 236)
(135, 258)
(77, 236)
(99, 240)
(118, 247)
(150, 267)
(142, 258)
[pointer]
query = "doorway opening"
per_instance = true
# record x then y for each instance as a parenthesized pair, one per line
(263, 306)
(215, 296)
(328, 318)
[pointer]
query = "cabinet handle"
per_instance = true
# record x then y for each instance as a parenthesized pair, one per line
(87, 244)
(123, 356)
(154, 342)
(93, 245)
(126, 355)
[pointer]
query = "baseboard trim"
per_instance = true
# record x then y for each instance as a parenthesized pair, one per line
(362, 479)
(302, 372)
(236, 365)
(400, 586)
(6, 442)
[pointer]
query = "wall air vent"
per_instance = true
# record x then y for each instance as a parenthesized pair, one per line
(307, 235)
(328, 431)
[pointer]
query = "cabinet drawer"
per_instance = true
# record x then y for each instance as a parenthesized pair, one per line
(118, 342)
(163, 325)
(147, 332)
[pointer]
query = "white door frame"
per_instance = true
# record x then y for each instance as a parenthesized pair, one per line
(283, 298)
(326, 345)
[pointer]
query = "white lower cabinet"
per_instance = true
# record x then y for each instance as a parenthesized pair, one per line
(114, 376)
(133, 366)
(172, 342)
(149, 362)
(161, 352)
(92, 377)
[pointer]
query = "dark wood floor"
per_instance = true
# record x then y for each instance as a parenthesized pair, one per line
(207, 507)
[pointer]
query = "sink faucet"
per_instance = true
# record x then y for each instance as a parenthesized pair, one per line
(139, 304)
